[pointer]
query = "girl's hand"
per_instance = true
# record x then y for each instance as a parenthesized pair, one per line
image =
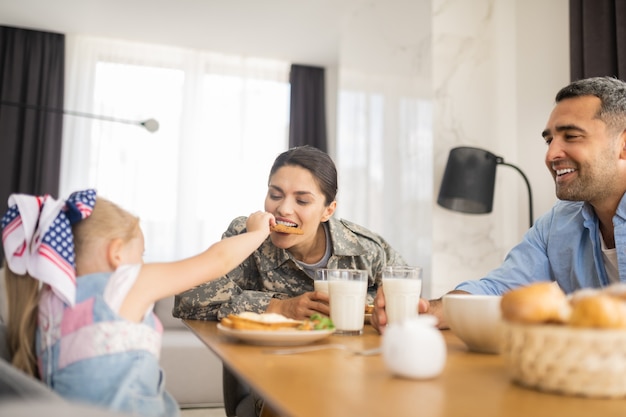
(260, 221)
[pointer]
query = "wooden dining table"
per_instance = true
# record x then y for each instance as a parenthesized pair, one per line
(339, 383)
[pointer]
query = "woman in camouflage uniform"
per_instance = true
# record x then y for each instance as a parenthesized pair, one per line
(278, 276)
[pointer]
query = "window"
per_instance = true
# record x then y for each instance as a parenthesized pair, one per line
(384, 159)
(222, 120)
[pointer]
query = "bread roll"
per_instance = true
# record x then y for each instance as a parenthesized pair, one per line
(601, 311)
(542, 302)
(617, 290)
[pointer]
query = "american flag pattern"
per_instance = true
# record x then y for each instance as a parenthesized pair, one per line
(37, 238)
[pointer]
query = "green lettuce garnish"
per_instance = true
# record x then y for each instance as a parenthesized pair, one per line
(321, 322)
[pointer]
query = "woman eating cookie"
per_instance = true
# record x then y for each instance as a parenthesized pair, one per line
(278, 276)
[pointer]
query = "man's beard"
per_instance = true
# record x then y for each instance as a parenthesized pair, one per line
(573, 191)
(584, 188)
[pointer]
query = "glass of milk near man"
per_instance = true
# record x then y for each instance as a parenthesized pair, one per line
(402, 287)
(347, 292)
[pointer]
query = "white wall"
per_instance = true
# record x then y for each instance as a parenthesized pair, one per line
(542, 69)
(384, 133)
(497, 65)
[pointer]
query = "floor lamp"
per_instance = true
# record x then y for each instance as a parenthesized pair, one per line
(150, 125)
(469, 180)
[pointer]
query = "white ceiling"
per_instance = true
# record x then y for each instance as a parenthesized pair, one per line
(299, 31)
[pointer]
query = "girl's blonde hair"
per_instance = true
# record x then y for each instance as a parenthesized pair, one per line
(107, 222)
(22, 295)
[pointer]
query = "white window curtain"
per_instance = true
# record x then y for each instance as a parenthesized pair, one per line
(384, 158)
(223, 120)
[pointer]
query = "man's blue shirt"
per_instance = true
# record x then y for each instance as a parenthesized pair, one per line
(563, 246)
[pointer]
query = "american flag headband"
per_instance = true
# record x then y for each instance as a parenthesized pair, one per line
(38, 241)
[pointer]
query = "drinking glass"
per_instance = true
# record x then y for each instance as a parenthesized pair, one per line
(347, 293)
(402, 286)
(321, 280)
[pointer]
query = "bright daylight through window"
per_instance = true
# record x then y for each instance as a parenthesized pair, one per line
(222, 122)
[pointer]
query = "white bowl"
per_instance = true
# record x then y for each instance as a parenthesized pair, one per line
(475, 319)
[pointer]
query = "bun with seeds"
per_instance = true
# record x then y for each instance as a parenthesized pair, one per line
(282, 228)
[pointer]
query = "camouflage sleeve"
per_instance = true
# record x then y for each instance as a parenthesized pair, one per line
(371, 252)
(232, 293)
(393, 258)
(217, 299)
(380, 252)
(203, 301)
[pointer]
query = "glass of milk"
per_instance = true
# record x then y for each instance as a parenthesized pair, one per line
(321, 280)
(347, 290)
(402, 287)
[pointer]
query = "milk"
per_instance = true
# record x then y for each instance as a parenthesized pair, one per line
(401, 298)
(321, 286)
(347, 305)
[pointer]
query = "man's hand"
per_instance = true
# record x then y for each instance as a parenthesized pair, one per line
(432, 307)
(302, 306)
(436, 309)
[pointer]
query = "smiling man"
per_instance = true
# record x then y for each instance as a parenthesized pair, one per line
(581, 241)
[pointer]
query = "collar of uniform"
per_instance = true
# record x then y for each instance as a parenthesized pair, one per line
(345, 238)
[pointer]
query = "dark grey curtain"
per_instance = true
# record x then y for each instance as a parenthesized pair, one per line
(307, 120)
(31, 73)
(597, 38)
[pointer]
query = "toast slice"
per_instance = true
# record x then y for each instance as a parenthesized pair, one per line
(255, 321)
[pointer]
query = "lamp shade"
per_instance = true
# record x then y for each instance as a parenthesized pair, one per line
(469, 180)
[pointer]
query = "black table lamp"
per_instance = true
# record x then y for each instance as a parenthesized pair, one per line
(469, 180)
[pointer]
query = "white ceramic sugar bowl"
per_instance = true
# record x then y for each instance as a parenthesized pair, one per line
(414, 348)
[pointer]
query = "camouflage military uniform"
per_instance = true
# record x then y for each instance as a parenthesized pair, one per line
(273, 272)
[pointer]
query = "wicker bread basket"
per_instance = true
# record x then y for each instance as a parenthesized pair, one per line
(566, 360)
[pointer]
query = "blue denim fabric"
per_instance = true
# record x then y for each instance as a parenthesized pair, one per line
(130, 381)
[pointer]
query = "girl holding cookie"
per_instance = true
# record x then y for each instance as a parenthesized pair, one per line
(80, 298)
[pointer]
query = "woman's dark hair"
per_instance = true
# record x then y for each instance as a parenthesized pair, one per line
(316, 162)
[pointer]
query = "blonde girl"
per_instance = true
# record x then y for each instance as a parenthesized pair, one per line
(91, 335)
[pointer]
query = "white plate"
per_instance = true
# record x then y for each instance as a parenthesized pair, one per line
(276, 337)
